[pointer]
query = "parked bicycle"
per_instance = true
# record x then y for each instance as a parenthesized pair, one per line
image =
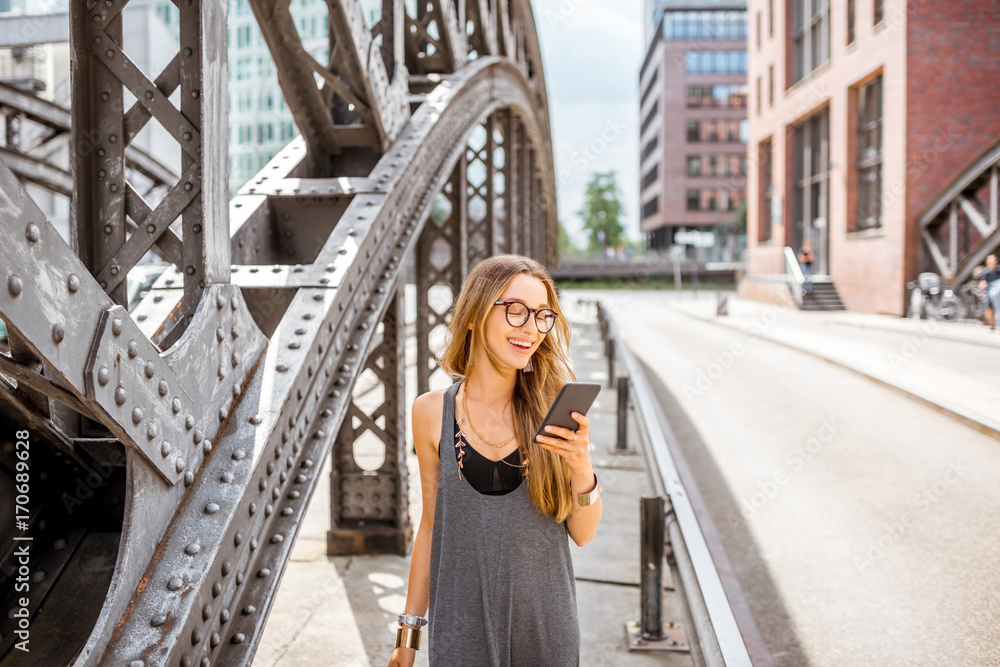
(930, 300)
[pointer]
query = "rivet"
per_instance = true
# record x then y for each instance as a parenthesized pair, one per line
(220, 334)
(195, 93)
(221, 371)
(150, 228)
(261, 485)
(136, 415)
(214, 639)
(196, 636)
(189, 270)
(103, 375)
(157, 621)
(255, 420)
(238, 638)
(211, 508)
(197, 436)
(186, 661)
(234, 303)
(234, 332)
(235, 360)
(206, 446)
(275, 492)
(175, 583)
(104, 96)
(163, 388)
(110, 53)
(224, 615)
(192, 549)
(152, 431)
(216, 589)
(157, 298)
(300, 331)
(187, 137)
(188, 421)
(179, 464)
(236, 390)
(220, 300)
(114, 269)
(15, 286)
(32, 233)
(263, 573)
(252, 510)
(101, 173)
(299, 479)
(141, 317)
(287, 511)
(223, 414)
(133, 349)
(306, 464)
(268, 510)
(239, 455)
(294, 345)
(72, 284)
(238, 539)
(188, 186)
(293, 495)
(165, 448)
(206, 612)
(114, 188)
(282, 367)
(150, 369)
(120, 395)
(277, 539)
(249, 609)
(226, 478)
(175, 405)
(188, 478)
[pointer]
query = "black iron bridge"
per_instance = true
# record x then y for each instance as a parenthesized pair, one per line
(160, 460)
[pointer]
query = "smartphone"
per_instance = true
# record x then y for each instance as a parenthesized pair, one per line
(573, 397)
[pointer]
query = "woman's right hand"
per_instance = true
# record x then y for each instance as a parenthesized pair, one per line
(403, 657)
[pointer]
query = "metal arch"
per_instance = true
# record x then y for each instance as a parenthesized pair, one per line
(253, 390)
(960, 227)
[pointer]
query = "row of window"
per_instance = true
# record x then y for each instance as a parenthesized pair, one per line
(267, 100)
(654, 111)
(243, 68)
(810, 168)
(719, 96)
(265, 132)
(714, 199)
(734, 164)
(719, 24)
(810, 29)
(700, 131)
(715, 62)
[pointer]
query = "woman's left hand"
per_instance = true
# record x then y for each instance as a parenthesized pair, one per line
(574, 446)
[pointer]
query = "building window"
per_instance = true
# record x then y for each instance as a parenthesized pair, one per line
(811, 176)
(715, 62)
(653, 112)
(766, 190)
(650, 146)
(758, 30)
(651, 176)
(850, 21)
(759, 96)
(694, 165)
(722, 96)
(651, 208)
(728, 24)
(810, 36)
(649, 86)
(869, 164)
(879, 10)
(770, 85)
(770, 18)
(693, 131)
(694, 200)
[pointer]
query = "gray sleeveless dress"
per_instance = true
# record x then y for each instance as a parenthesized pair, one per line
(502, 593)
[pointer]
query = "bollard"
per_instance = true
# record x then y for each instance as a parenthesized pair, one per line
(622, 444)
(651, 567)
(611, 362)
(721, 303)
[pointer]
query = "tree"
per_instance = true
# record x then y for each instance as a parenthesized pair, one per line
(601, 212)
(567, 249)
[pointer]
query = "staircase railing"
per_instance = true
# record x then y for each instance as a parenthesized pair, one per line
(794, 275)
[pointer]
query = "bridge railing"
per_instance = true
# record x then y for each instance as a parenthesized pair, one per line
(713, 606)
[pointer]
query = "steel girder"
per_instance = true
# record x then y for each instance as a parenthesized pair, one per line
(960, 227)
(206, 414)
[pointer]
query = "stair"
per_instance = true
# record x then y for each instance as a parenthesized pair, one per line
(824, 296)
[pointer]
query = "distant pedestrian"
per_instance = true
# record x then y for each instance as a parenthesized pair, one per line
(991, 283)
(806, 259)
(491, 559)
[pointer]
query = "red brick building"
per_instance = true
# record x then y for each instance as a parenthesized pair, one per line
(861, 113)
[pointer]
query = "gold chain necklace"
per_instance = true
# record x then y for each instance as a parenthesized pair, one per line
(468, 415)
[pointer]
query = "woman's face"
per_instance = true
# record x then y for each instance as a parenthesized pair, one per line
(499, 332)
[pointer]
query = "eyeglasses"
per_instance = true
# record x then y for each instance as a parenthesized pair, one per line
(517, 315)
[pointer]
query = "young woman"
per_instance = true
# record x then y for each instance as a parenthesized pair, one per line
(491, 557)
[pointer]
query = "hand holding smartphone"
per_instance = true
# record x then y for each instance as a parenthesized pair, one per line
(573, 397)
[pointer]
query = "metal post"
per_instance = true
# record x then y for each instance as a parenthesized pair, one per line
(651, 567)
(721, 303)
(622, 444)
(610, 347)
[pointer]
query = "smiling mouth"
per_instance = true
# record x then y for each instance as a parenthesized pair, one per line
(520, 348)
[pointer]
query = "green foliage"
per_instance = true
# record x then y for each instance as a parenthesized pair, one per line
(567, 250)
(601, 212)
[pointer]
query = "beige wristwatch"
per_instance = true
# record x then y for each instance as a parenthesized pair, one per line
(590, 498)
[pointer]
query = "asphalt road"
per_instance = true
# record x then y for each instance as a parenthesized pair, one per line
(862, 525)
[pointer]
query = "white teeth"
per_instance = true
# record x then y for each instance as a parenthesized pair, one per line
(518, 343)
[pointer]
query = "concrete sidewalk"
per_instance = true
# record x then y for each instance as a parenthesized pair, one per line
(341, 611)
(951, 367)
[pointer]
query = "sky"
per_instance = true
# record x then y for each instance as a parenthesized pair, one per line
(591, 53)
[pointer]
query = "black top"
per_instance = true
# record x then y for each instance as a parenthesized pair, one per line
(491, 478)
(991, 276)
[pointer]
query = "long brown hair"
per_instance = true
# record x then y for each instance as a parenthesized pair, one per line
(534, 392)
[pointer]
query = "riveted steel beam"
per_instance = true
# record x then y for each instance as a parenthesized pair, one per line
(435, 40)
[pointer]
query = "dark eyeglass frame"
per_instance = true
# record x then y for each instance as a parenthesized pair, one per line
(536, 311)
